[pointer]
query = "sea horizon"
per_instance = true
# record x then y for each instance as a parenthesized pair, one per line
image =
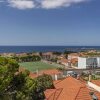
(20, 49)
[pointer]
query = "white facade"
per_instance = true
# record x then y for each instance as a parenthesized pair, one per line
(65, 64)
(81, 63)
(98, 59)
(72, 56)
(88, 62)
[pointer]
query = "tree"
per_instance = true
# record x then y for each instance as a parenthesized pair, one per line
(27, 58)
(45, 81)
(8, 68)
(15, 85)
(57, 53)
(61, 68)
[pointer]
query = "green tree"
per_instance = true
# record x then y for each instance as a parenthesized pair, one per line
(15, 85)
(45, 81)
(8, 68)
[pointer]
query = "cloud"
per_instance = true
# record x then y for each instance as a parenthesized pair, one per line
(50, 4)
(45, 4)
(21, 4)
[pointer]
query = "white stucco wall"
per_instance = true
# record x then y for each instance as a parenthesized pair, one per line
(66, 64)
(94, 86)
(98, 60)
(81, 63)
(72, 57)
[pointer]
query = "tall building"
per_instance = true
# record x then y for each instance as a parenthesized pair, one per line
(88, 62)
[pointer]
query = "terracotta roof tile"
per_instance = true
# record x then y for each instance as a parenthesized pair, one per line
(74, 60)
(63, 60)
(32, 75)
(70, 89)
(74, 54)
(96, 82)
(50, 72)
(83, 94)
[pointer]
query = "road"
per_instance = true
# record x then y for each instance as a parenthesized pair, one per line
(79, 71)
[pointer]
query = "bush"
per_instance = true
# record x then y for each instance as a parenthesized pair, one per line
(45, 81)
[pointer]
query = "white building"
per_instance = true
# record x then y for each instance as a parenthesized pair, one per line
(88, 62)
(73, 56)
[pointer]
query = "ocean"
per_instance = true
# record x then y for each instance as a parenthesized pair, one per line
(20, 49)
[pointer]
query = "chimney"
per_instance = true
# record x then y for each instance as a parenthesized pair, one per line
(56, 77)
(89, 78)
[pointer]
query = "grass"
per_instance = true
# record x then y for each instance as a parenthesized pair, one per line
(33, 66)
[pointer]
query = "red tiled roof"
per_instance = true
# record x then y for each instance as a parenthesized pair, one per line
(50, 72)
(96, 82)
(63, 60)
(49, 93)
(74, 54)
(69, 89)
(83, 94)
(47, 53)
(69, 85)
(74, 60)
(32, 75)
(56, 81)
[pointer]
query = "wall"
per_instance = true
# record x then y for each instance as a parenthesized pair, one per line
(71, 57)
(94, 86)
(81, 63)
(98, 60)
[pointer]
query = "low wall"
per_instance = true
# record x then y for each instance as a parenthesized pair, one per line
(94, 86)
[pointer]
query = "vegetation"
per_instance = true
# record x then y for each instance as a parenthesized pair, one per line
(33, 66)
(57, 53)
(93, 54)
(68, 52)
(54, 59)
(85, 76)
(27, 58)
(16, 85)
(45, 81)
(61, 68)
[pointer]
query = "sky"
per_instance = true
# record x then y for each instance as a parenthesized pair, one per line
(50, 22)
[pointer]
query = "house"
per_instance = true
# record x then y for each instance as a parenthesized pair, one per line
(71, 89)
(47, 55)
(21, 54)
(74, 62)
(61, 56)
(73, 55)
(88, 62)
(55, 74)
(33, 75)
(63, 61)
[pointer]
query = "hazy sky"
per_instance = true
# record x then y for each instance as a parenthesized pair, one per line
(50, 22)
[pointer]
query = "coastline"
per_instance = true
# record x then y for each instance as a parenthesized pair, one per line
(26, 49)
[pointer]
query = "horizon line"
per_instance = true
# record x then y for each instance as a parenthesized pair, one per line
(52, 45)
